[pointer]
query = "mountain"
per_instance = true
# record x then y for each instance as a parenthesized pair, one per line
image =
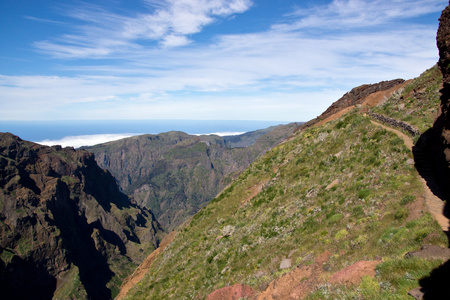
(361, 95)
(328, 214)
(66, 230)
(349, 207)
(175, 174)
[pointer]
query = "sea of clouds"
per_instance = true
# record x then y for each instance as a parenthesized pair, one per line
(95, 139)
(86, 140)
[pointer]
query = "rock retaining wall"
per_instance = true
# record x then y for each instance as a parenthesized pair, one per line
(396, 123)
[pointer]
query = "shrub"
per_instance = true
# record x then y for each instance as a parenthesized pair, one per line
(341, 234)
(407, 199)
(363, 194)
(335, 218)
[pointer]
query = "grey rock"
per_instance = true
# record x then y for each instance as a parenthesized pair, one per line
(285, 263)
(417, 293)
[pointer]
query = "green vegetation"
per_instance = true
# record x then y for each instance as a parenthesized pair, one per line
(175, 174)
(360, 218)
(418, 102)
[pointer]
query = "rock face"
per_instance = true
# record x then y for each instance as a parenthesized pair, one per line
(174, 174)
(65, 228)
(356, 96)
(442, 124)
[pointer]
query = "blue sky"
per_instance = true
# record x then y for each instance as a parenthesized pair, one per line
(281, 60)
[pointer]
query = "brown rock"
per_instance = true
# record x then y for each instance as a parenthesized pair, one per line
(430, 252)
(353, 274)
(234, 292)
(441, 126)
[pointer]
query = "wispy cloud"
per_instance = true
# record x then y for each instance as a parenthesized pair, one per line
(341, 14)
(168, 23)
(288, 70)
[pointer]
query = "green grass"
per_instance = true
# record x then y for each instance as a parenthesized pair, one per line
(418, 103)
(363, 216)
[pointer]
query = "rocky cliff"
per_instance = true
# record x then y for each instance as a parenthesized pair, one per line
(356, 96)
(66, 230)
(442, 125)
(174, 174)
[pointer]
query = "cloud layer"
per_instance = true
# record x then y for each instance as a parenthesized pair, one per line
(85, 140)
(151, 65)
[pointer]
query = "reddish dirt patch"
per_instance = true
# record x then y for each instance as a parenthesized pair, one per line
(234, 292)
(353, 274)
(370, 100)
(298, 283)
(335, 116)
(143, 268)
(323, 258)
(376, 98)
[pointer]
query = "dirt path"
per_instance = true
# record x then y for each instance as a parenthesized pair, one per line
(433, 203)
(143, 268)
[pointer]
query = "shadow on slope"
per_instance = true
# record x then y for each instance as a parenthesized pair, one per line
(430, 163)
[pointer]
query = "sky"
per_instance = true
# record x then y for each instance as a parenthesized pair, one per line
(282, 60)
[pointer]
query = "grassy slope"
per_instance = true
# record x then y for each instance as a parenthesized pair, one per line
(363, 217)
(420, 98)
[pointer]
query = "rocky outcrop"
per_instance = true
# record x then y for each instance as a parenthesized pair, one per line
(442, 124)
(430, 252)
(65, 228)
(355, 96)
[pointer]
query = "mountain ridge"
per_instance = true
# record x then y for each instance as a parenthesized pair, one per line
(66, 230)
(337, 198)
(174, 174)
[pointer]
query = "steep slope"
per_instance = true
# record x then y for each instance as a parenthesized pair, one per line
(338, 198)
(174, 174)
(66, 229)
(315, 215)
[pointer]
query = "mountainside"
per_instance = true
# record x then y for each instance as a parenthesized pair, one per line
(358, 96)
(174, 174)
(346, 208)
(67, 232)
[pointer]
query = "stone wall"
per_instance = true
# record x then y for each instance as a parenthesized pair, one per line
(396, 123)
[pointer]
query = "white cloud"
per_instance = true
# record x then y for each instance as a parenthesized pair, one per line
(85, 140)
(225, 133)
(169, 24)
(284, 73)
(175, 41)
(361, 13)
